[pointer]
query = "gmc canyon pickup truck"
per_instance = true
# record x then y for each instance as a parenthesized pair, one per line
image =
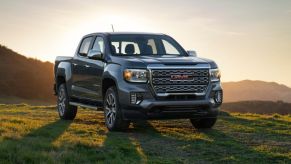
(132, 76)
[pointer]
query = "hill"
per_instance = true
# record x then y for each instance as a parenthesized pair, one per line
(24, 79)
(248, 90)
(259, 107)
(35, 134)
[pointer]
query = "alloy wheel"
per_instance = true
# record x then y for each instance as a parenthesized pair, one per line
(62, 102)
(110, 109)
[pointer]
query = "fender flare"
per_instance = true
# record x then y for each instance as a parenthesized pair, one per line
(64, 70)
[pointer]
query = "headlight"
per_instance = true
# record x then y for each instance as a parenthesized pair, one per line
(215, 75)
(136, 75)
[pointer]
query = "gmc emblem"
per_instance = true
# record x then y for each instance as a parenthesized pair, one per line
(180, 77)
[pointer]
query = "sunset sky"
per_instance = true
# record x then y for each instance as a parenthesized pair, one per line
(249, 39)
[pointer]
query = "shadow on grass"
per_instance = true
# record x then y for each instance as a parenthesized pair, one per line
(143, 143)
(116, 148)
(223, 147)
(264, 128)
(33, 147)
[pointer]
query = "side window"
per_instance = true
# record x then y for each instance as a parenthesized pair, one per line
(169, 48)
(84, 48)
(99, 44)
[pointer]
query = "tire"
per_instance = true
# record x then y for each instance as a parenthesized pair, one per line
(112, 111)
(65, 110)
(204, 123)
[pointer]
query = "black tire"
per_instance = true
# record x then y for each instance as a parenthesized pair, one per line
(112, 111)
(204, 123)
(65, 110)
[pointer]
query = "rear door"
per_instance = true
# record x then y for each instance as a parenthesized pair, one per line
(79, 66)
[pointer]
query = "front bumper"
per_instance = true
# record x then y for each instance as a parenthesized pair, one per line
(152, 107)
(171, 110)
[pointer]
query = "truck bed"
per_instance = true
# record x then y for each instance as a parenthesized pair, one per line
(61, 59)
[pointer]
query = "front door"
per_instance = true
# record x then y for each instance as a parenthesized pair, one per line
(87, 73)
(94, 71)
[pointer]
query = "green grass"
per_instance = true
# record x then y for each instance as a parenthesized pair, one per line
(36, 135)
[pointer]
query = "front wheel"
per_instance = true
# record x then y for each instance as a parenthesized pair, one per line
(204, 123)
(112, 111)
(66, 111)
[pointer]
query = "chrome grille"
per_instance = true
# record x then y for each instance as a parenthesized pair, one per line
(168, 81)
(196, 72)
(196, 82)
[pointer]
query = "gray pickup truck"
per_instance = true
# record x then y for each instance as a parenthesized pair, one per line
(132, 76)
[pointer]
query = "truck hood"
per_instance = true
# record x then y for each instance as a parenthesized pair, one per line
(143, 61)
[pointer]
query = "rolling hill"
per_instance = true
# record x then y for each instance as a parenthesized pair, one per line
(259, 107)
(248, 90)
(24, 79)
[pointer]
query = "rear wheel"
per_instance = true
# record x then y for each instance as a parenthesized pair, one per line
(66, 111)
(112, 111)
(204, 123)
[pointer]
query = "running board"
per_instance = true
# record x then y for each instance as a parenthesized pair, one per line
(84, 105)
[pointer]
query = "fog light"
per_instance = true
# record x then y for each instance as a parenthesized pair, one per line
(218, 97)
(136, 98)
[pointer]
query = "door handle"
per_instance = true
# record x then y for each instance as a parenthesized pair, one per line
(74, 64)
(87, 66)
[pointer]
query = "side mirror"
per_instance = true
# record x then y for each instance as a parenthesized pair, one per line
(94, 54)
(192, 53)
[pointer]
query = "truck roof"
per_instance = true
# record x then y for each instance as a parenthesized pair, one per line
(125, 33)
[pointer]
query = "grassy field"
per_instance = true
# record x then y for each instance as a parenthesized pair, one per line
(36, 135)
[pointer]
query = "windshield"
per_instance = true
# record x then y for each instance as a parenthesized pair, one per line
(142, 44)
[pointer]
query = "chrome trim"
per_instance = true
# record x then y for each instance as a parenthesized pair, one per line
(163, 67)
(183, 80)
